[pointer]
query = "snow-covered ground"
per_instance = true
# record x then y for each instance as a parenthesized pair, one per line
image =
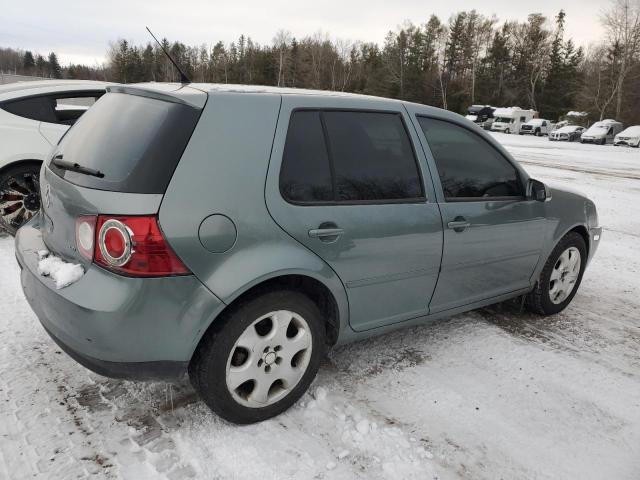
(490, 394)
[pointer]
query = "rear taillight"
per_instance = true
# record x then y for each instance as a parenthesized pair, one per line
(133, 246)
(85, 235)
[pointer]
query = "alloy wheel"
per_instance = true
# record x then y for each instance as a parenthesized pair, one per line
(19, 199)
(564, 275)
(269, 359)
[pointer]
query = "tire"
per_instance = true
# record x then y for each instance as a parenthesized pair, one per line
(220, 358)
(19, 195)
(541, 299)
(507, 131)
(537, 133)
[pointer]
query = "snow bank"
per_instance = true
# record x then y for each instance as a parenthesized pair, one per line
(61, 272)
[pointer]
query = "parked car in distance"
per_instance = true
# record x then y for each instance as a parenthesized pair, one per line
(568, 133)
(602, 132)
(629, 137)
(509, 120)
(241, 262)
(481, 115)
(33, 117)
(537, 127)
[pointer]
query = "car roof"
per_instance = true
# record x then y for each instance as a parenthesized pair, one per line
(43, 87)
(195, 94)
(187, 93)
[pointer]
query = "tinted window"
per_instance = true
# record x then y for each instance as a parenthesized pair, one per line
(305, 174)
(35, 108)
(372, 156)
(135, 141)
(468, 166)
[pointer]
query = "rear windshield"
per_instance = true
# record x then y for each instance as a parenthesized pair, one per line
(136, 142)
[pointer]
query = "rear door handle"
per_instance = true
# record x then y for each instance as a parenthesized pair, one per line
(325, 232)
(459, 224)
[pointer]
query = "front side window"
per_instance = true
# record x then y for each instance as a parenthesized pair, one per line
(348, 156)
(469, 167)
(69, 109)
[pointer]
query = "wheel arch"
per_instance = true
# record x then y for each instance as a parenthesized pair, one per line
(584, 233)
(326, 299)
(16, 163)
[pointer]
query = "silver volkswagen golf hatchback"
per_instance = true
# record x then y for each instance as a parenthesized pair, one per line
(235, 233)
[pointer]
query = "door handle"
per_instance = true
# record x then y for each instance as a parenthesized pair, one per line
(459, 224)
(325, 232)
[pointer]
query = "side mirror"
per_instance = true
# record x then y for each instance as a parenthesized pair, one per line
(536, 190)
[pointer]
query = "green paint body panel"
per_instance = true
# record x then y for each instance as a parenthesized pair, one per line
(396, 264)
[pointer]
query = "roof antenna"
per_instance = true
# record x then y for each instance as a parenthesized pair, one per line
(183, 77)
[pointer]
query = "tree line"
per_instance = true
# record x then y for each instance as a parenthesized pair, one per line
(468, 59)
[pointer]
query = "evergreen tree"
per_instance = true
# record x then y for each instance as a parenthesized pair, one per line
(55, 71)
(28, 61)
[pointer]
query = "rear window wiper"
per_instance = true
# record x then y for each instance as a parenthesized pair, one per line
(75, 167)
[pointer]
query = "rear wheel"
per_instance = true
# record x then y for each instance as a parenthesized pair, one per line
(560, 277)
(261, 358)
(19, 195)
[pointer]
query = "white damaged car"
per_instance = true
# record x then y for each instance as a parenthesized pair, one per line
(568, 133)
(602, 132)
(629, 137)
(33, 117)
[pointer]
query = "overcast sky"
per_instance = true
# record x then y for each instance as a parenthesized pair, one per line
(80, 31)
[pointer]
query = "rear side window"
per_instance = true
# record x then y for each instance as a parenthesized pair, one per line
(40, 109)
(305, 174)
(468, 166)
(135, 141)
(58, 108)
(372, 156)
(349, 156)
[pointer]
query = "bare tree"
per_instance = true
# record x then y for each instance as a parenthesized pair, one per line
(622, 25)
(281, 43)
(480, 37)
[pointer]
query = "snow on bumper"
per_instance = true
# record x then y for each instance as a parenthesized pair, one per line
(118, 326)
(62, 273)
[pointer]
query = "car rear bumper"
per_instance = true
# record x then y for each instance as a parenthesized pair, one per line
(118, 326)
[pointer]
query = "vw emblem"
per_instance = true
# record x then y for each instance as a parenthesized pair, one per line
(47, 195)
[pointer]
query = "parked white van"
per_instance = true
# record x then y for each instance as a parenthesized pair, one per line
(509, 120)
(602, 132)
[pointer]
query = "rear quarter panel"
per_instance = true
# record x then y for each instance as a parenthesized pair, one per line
(223, 171)
(20, 140)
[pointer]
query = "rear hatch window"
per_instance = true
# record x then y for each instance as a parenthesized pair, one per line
(135, 141)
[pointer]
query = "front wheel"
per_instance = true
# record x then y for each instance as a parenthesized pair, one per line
(19, 195)
(260, 358)
(560, 277)
(507, 131)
